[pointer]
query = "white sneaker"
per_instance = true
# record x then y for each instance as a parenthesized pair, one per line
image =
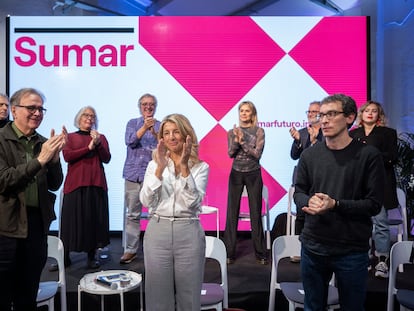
(381, 270)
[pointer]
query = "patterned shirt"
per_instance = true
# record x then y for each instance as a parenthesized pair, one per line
(139, 151)
(247, 156)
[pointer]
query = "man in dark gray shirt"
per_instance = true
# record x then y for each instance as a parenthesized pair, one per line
(339, 188)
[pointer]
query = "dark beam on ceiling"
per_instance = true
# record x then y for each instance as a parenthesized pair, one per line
(253, 7)
(136, 5)
(156, 6)
(84, 5)
(120, 8)
(330, 5)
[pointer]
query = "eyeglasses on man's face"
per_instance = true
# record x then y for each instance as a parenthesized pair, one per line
(33, 109)
(329, 115)
(312, 111)
(148, 105)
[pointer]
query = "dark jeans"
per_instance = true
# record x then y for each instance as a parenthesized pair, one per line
(351, 273)
(21, 263)
(254, 185)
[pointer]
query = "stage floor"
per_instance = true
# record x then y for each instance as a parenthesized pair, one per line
(248, 281)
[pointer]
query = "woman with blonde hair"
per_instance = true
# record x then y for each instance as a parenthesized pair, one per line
(245, 147)
(174, 243)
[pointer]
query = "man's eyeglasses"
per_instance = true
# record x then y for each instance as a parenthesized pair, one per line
(311, 111)
(148, 104)
(329, 115)
(33, 109)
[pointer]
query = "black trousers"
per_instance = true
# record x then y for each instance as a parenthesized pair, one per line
(21, 264)
(254, 185)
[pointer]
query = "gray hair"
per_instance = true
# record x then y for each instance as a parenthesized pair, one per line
(18, 95)
(315, 102)
(81, 112)
(5, 97)
(147, 95)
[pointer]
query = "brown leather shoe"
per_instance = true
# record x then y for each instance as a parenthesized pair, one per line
(127, 258)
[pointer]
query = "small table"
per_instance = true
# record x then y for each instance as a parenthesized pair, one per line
(88, 284)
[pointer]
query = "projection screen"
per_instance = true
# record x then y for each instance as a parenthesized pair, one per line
(202, 67)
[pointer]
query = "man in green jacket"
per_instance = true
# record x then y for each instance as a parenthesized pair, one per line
(29, 168)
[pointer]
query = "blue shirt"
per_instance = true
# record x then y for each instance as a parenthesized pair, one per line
(139, 151)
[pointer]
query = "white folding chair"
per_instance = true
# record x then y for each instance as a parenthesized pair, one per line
(401, 222)
(291, 216)
(400, 253)
(215, 295)
(287, 246)
(48, 289)
(207, 209)
(60, 211)
(245, 216)
(405, 298)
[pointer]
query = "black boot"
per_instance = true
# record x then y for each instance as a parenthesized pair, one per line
(67, 260)
(93, 263)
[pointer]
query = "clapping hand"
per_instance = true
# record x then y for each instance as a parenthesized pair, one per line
(51, 147)
(294, 133)
(238, 134)
(313, 133)
(63, 137)
(161, 158)
(95, 139)
(185, 155)
(149, 123)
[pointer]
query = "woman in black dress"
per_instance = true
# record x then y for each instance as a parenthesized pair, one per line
(371, 130)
